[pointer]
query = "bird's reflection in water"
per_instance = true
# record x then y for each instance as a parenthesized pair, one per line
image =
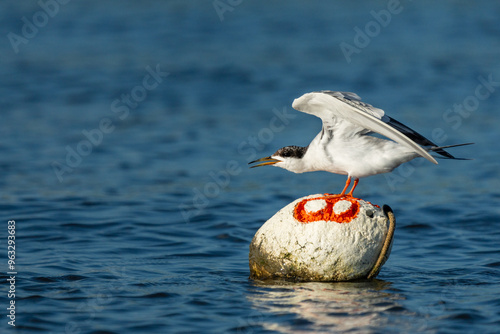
(359, 306)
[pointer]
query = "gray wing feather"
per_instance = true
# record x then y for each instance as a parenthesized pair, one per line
(346, 114)
(416, 137)
(355, 100)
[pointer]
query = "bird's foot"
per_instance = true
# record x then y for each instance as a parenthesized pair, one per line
(337, 195)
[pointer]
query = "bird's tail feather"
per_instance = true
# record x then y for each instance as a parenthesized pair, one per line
(440, 150)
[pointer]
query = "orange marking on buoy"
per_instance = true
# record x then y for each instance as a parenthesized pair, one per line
(327, 212)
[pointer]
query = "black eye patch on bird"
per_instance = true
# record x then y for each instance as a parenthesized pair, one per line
(291, 152)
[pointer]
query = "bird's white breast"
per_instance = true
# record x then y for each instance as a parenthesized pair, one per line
(357, 156)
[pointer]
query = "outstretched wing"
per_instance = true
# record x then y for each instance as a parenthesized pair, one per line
(345, 114)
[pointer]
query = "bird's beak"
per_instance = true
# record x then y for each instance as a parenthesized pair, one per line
(267, 161)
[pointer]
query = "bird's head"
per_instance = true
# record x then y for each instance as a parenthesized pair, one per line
(288, 157)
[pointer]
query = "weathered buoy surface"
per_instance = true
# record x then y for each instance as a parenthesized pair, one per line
(323, 238)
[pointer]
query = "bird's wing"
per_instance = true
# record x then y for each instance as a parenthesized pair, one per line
(345, 114)
(415, 136)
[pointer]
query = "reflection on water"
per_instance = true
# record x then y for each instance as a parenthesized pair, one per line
(323, 307)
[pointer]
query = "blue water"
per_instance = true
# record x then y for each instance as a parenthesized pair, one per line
(145, 227)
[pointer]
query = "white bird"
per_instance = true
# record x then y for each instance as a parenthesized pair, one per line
(345, 144)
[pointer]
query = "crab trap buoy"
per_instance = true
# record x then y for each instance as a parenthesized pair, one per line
(323, 238)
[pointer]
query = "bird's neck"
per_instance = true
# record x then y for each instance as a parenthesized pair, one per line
(298, 164)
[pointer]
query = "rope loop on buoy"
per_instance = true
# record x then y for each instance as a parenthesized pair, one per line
(387, 243)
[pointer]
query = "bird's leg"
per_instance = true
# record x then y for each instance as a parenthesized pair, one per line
(356, 180)
(347, 183)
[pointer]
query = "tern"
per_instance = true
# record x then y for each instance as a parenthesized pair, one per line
(346, 144)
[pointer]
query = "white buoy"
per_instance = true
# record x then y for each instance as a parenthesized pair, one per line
(323, 238)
